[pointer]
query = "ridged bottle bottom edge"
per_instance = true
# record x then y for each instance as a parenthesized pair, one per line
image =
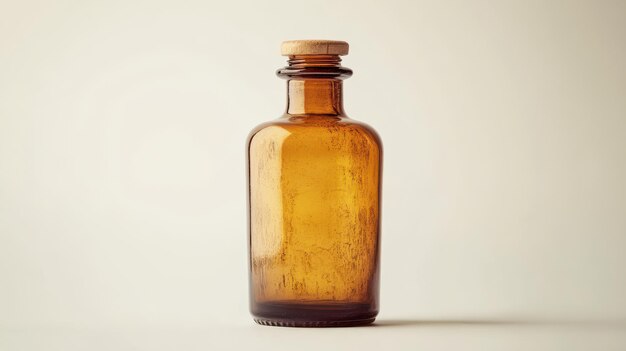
(313, 324)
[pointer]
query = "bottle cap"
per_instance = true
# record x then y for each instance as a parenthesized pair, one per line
(314, 47)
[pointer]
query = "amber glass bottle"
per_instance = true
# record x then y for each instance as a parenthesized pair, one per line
(314, 180)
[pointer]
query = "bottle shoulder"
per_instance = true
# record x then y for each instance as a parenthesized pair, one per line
(314, 127)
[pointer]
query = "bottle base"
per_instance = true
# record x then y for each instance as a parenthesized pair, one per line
(313, 324)
(313, 315)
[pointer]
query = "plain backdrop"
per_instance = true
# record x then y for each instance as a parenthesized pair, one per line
(122, 172)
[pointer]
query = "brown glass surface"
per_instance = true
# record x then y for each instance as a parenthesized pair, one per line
(314, 206)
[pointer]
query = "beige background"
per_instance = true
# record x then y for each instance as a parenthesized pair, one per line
(122, 192)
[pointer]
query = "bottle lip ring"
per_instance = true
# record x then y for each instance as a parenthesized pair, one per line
(314, 72)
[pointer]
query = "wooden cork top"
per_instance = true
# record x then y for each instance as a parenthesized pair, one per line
(314, 47)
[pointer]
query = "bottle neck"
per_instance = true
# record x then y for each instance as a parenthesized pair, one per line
(314, 85)
(315, 97)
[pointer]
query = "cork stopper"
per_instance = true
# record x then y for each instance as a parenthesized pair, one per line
(314, 47)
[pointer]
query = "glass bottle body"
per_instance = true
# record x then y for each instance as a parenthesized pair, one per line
(314, 212)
